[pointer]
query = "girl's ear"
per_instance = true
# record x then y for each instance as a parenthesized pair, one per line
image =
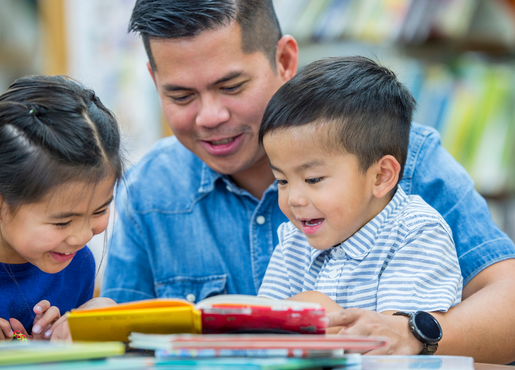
(386, 175)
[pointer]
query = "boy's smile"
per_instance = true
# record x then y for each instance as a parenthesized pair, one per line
(323, 193)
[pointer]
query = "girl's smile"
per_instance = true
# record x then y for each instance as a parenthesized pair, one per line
(49, 233)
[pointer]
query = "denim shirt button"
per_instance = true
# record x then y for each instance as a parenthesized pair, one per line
(260, 220)
(191, 297)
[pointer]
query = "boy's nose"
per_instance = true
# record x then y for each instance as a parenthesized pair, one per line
(297, 199)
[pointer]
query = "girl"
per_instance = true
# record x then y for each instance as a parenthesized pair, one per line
(59, 162)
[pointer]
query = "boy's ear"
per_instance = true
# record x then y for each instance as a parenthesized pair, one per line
(386, 175)
(287, 57)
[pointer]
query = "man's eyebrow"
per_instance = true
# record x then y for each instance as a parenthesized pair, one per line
(74, 214)
(229, 76)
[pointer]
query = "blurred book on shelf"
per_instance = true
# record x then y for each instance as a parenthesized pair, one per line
(408, 22)
(456, 56)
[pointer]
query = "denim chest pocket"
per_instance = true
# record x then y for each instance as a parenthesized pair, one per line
(193, 289)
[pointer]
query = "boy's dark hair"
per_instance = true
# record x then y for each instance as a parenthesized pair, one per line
(366, 109)
(53, 130)
(171, 19)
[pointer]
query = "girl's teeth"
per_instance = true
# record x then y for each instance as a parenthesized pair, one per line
(308, 223)
(224, 141)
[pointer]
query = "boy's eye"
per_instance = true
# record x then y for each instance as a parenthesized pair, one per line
(282, 182)
(314, 180)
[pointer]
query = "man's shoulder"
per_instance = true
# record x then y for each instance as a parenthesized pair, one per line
(167, 170)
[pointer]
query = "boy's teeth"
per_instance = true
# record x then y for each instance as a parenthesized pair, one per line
(223, 141)
(308, 223)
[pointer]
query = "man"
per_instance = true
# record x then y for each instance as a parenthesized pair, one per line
(198, 215)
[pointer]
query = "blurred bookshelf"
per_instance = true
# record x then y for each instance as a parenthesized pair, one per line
(456, 56)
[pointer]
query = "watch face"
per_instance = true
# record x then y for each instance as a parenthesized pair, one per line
(428, 326)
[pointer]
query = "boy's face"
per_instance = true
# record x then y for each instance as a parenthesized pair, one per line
(324, 195)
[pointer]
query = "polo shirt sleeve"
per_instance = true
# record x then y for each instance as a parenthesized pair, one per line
(423, 274)
(441, 181)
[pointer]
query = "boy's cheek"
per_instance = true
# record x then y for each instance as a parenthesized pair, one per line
(285, 208)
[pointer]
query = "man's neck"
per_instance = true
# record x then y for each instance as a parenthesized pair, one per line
(255, 179)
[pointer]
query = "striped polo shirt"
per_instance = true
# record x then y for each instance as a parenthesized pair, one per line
(404, 259)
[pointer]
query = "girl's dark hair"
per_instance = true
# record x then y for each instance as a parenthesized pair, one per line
(53, 130)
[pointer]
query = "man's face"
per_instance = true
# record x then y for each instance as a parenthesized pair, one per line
(214, 95)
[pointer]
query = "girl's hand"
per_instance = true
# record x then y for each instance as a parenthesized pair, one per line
(6, 333)
(46, 316)
(61, 330)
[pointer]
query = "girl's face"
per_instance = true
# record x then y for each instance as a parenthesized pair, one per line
(49, 233)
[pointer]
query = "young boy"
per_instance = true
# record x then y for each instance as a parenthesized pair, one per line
(337, 138)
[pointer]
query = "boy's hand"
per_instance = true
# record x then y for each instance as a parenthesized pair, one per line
(6, 333)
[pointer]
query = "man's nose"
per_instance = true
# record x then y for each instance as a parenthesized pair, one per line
(211, 113)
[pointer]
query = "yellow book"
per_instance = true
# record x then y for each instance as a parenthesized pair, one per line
(214, 315)
(158, 316)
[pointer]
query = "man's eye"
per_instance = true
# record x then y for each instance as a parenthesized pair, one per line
(282, 182)
(62, 224)
(182, 99)
(314, 180)
(232, 89)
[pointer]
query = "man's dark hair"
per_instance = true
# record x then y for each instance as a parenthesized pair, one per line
(367, 111)
(173, 19)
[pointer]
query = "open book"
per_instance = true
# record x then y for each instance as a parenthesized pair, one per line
(215, 315)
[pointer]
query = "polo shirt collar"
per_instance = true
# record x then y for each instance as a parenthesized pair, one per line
(359, 245)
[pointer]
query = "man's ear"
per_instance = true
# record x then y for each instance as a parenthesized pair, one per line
(287, 57)
(386, 175)
(149, 67)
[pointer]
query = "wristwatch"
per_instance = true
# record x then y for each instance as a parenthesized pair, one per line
(425, 328)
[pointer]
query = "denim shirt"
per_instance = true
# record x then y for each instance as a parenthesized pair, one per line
(182, 230)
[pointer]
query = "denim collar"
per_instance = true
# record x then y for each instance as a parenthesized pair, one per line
(209, 177)
(359, 245)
